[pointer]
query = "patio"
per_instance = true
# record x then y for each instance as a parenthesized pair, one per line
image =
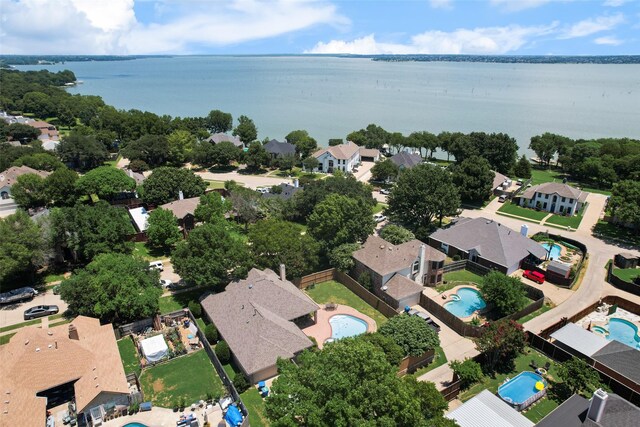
(321, 330)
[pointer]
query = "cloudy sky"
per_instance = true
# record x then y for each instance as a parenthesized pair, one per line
(123, 27)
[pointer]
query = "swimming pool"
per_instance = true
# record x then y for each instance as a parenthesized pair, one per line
(622, 331)
(134, 425)
(555, 250)
(521, 391)
(468, 301)
(344, 326)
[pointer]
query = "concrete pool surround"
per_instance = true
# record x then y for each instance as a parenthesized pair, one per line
(452, 296)
(321, 331)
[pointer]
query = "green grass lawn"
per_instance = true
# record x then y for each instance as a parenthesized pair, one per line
(219, 184)
(190, 377)
(178, 301)
(61, 322)
(539, 176)
(129, 356)
(5, 338)
(608, 231)
(513, 209)
(148, 253)
(538, 312)
(459, 276)
(379, 207)
(32, 322)
(537, 411)
(255, 405)
(626, 274)
(438, 360)
(568, 221)
(53, 277)
(335, 292)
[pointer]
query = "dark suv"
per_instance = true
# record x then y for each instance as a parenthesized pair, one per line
(40, 311)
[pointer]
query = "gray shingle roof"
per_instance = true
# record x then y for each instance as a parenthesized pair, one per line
(618, 412)
(288, 191)
(621, 358)
(399, 287)
(493, 241)
(254, 317)
(219, 137)
(486, 409)
(563, 190)
(280, 148)
(183, 207)
(571, 413)
(406, 160)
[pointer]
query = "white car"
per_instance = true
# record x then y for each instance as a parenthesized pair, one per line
(156, 265)
(379, 217)
(385, 191)
(502, 199)
(166, 283)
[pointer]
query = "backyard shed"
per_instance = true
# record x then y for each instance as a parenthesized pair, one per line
(626, 260)
(486, 409)
(154, 348)
(578, 341)
(558, 268)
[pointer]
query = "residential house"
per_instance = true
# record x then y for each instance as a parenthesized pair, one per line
(602, 410)
(487, 409)
(45, 367)
(406, 160)
(553, 197)
(487, 243)
(398, 272)
(286, 192)
(343, 157)
(277, 149)
(369, 154)
(219, 137)
(184, 210)
(257, 317)
(47, 130)
(140, 218)
(7, 179)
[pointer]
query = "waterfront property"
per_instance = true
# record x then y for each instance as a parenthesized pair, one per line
(554, 197)
(488, 243)
(258, 317)
(488, 410)
(277, 149)
(406, 160)
(343, 157)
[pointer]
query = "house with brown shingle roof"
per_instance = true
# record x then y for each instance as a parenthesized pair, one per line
(399, 272)
(37, 363)
(184, 210)
(257, 317)
(554, 197)
(343, 157)
(7, 179)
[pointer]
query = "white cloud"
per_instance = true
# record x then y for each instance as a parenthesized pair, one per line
(517, 5)
(490, 40)
(608, 40)
(441, 4)
(111, 27)
(592, 26)
(615, 3)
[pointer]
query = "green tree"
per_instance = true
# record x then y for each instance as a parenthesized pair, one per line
(116, 288)
(522, 169)
(340, 219)
(275, 242)
(310, 390)
(39, 161)
(162, 229)
(424, 140)
(212, 207)
(246, 130)
(256, 156)
(341, 257)
(165, 183)
(335, 141)
(469, 371)
(240, 382)
(286, 162)
(546, 146)
(305, 144)
(151, 149)
(317, 190)
(87, 231)
(81, 151)
(392, 351)
(578, 376)
(501, 342)
(396, 234)
(474, 178)
(211, 333)
(22, 249)
(222, 352)
(505, 293)
(61, 187)
(625, 202)
(180, 143)
(225, 152)
(310, 163)
(245, 205)
(411, 333)
(105, 181)
(211, 256)
(21, 132)
(29, 191)
(218, 121)
(204, 154)
(384, 170)
(421, 194)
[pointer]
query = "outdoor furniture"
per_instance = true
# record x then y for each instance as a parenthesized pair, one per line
(330, 306)
(547, 366)
(533, 364)
(145, 406)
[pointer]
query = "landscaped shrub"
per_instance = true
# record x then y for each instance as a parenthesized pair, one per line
(506, 294)
(195, 308)
(240, 382)
(468, 371)
(211, 333)
(411, 333)
(456, 257)
(365, 280)
(223, 352)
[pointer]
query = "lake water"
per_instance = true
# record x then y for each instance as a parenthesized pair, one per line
(331, 96)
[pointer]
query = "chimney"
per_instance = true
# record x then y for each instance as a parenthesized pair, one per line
(597, 405)
(283, 272)
(296, 182)
(524, 230)
(73, 332)
(180, 195)
(421, 259)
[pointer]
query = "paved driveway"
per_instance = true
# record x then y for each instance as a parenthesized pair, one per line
(11, 314)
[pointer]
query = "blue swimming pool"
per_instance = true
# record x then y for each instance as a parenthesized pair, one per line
(344, 326)
(555, 250)
(466, 301)
(622, 331)
(134, 425)
(520, 390)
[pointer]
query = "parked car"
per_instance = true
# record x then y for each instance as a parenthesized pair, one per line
(40, 311)
(262, 190)
(156, 265)
(502, 199)
(379, 217)
(536, 276)
(17, 295)
(385, 191)
(166, 283)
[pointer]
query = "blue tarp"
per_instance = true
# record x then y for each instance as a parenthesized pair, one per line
(145, 406)
(233, 416)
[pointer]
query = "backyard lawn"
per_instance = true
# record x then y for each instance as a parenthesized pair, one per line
(539, 410)
(335, 292)
(462, 276)
(439, 360)
(190, 377)
(539, 176)
(379, 207)
(179, 300)
(255, 405)
(129, 356)
(513, 209)
(150, 254)
(626, 274)
(607, 231)
(538, 312)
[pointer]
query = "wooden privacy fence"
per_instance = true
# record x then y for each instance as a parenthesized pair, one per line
(311, 279)
(619, 283)
(466, 264)
(410, 364)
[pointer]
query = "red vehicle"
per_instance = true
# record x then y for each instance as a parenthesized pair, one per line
(534, 275)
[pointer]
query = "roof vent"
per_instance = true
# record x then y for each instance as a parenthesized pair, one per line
(250, 286)
(50, 333)
(384, 288)
(37, 349)
(50, 345)
(26, 342)
(381, 246)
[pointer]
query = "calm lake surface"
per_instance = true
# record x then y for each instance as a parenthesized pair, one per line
(330, 96)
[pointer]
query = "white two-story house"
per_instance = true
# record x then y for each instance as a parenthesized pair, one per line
(554, 197)
(343, 157)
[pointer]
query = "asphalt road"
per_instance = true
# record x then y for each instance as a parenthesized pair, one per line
(11, 314)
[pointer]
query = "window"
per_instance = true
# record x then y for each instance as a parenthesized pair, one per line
(434, 264)
(444, 247)
(544, 206)
(546, 196)
(564, 199)
(561, 209)
(570, 200)
(416, 266)
(330, 163)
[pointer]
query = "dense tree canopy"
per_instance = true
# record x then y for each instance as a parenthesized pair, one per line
(315, 191)
(165, 184)
(505, 293)
(578, 376)
(246, 130)
(275, 242)
(212, 207)
(39, 161)
(81, 151)
(180, 143)
(61, 187)
(256, 156)
(625, 202)
(423, 141)
(151, 149)
(341, 257)
(411, 333)
(162, 229)
(373, 136)
(22, 249)
(211, 256)
(501, 342)
(245, 205)
(21, 132)
(474, 178)
(29, 191)
(305, 144)
(385, 170)
(522, 169)
(113, 287)
(219, 122)
(546, 146)
(396, 234)
(348, 383)
(105, 181)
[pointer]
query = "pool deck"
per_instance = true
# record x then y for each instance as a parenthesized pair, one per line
(321, 330)
(445, 297)
(602, 319)
(163, 417)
